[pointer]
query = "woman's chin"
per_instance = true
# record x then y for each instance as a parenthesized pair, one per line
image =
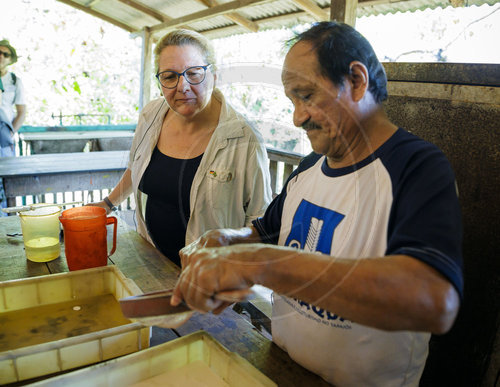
(187, 111)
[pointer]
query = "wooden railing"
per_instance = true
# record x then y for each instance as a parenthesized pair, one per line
(84, 196)
(281, 164)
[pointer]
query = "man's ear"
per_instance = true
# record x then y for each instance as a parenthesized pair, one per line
(359, 79)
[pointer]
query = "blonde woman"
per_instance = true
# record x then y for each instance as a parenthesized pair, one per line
(195, 163)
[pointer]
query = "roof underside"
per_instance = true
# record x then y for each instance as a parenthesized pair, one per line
(221, 18)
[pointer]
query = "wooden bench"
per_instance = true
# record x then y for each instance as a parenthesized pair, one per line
(74, 141)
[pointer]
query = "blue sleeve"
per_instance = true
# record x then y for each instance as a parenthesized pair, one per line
(425, 220)
(269, 225)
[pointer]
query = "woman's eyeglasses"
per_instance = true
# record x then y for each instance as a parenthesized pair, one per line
(194, 75)
(5, 54)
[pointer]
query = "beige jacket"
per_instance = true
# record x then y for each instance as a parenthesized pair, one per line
(232, 185)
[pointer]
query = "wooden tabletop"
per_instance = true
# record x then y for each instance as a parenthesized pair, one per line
(150, 270)
(63, 163)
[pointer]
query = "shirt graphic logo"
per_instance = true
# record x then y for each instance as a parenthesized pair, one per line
(313, 227)
(319, 315)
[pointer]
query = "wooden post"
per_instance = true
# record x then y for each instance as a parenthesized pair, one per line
(287, 170)
(344, 11)
(273, 171)
(146, 70)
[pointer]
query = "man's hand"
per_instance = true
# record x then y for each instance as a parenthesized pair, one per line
(215, 277)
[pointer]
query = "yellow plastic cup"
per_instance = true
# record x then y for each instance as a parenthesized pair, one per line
(41, 229)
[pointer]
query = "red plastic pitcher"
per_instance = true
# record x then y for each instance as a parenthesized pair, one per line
(85, 236)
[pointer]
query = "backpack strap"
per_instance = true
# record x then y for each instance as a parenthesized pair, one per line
(14, 78)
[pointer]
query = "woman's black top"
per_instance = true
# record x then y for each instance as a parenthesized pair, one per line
(167, 182)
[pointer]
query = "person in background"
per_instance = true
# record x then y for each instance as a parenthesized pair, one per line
(195, 163)
(362, 246)
(11, 96)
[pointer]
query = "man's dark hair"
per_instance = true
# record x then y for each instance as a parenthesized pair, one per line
(337, 45)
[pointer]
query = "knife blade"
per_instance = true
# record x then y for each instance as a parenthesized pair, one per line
(151, 304)
(154, 309)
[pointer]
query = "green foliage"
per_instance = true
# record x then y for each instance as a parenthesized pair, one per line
(76, 87)
(263, 104)
(73, 64)
(267, 108)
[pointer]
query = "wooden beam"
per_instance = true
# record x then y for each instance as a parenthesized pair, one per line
(344, 11)
(243, 21)
(454, 93)
(91, 3)
(368, 3)
(97, 14)
(207, 3)
(311, 7)
(284, 19)
(146, 70)
(146, 10)
(234, 16)
(218, 10)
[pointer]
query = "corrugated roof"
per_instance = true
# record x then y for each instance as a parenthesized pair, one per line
(367, 9)
(220, 18)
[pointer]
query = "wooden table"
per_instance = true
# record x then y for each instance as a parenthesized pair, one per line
(150, 270)
(61, 172)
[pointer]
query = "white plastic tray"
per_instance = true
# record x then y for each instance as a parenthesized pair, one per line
(140, 366)
(62, 321)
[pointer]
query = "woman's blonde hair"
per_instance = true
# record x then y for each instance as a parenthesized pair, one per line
(185, 37)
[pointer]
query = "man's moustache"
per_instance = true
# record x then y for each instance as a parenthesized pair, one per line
(310, 125)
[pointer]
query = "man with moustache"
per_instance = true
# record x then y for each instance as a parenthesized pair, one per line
(363, 246)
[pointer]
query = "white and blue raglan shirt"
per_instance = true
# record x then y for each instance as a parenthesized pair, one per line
(400, 200)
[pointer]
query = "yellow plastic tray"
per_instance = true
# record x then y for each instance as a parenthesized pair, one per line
(63, 321)
(139, 366)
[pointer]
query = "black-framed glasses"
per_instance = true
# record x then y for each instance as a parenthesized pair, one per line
(5, 54)
(194, 75)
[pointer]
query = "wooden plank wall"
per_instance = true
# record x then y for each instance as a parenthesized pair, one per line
(457, 107)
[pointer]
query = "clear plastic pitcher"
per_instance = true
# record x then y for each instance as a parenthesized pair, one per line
(41, 229)
(85, 236)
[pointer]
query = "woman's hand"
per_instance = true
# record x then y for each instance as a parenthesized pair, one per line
(100, 204)
(212, 238)
(218, 238)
